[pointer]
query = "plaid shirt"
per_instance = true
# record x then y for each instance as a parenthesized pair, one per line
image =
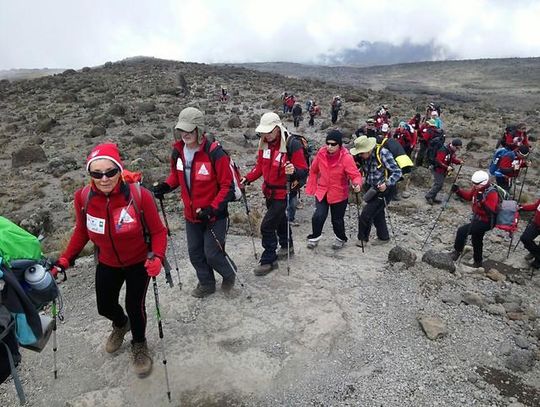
(374, 175)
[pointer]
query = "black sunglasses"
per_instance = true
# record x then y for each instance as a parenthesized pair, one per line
(108, 174)
(331, 143)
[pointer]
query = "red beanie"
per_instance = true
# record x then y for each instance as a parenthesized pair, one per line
(108, 151)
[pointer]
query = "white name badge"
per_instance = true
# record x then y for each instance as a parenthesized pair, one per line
(96, 225)
(179, 165)
(267, 154)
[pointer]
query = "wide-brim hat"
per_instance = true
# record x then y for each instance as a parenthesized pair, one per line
(268, 122)
(189, 119)
(363, 144)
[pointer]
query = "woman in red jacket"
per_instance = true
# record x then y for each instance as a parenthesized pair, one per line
(109, 214)
(485, 200)
(332, 169)
(531, 232)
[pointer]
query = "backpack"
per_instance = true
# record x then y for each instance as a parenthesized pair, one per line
(507, 212)
(307, 146)
(500, 153)
(17, 243)
(435, 144)
(402, 159)
(210, 146)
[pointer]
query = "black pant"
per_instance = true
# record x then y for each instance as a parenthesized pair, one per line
(373, 214)
(204, 253)
(109, 281)
(296, 120)
(274, 228)
(337, 211)
(420, 157)
(334, 116)
(528, 236)
(311, 120)
(477, 229)
(504, 183)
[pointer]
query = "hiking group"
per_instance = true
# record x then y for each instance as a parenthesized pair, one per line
(122, 219)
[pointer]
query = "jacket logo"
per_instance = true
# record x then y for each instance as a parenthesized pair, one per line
(203, 170)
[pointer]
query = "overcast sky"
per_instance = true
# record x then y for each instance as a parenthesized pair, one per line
(77, 33)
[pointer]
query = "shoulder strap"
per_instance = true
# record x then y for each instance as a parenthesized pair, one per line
(136, 196)
(86, 194)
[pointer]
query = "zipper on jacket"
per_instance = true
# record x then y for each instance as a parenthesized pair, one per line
(110, 233)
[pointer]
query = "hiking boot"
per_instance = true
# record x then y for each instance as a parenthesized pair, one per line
(116, 338)
(142, 361)
(228, 283)
(535, 264)
(429, 201)
(282, 252)
(338, 244)
(529, 256)
(361, 243)
(313, 241)
(455, 255)
(436, 201)
(202, 291)
(264, 269)
(476, 264)
(380, 242)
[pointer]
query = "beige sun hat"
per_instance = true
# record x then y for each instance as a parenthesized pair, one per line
(363, 144)
(189, 119)
(268, 122)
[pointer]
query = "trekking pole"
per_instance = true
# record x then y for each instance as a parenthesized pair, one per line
(358, 216)
(172, 246)
(442, 209)
(229, 261)
(387, 212)
(288, 224)
(54, 310)
(160, 330)
(349, 213)
(250, 224)
(522, 184)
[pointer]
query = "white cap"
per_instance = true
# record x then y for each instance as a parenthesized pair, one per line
(384, 127)
(480, 178)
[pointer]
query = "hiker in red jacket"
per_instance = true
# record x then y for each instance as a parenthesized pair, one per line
(445, 157)
(515, 136)
(329, 175)
(485, 200)
(110, 216)
(280, 161)
(201, 169)
(510, 165)
(406, 136)
(531, 232)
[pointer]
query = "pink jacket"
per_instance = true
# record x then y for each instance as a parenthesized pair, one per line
(331, 178)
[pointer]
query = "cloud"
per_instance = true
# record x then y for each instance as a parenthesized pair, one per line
(62, 33)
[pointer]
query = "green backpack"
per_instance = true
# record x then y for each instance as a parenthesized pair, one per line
(16, 243)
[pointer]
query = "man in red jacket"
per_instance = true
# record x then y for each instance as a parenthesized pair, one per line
(202, 170)
(531, 232)
(485, 200)
(515, 136)
(280, 161)
(445, 157)
(509, 166)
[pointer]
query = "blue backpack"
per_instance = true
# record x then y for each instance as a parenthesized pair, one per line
(500, 153)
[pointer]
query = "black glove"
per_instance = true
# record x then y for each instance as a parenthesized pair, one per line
(455, 188)
(205, 214)
(161, 188)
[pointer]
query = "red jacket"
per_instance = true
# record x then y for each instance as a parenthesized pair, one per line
(534, 207)
(211, 179)
(330, 175)
(507, 162)
(271, 159)
(405, 137)
(290, 101)
(516, 139)
(483, 205)
(117, 246)
(444, 158)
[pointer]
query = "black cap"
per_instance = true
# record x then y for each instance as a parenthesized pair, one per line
(457, 142)
(335, 135)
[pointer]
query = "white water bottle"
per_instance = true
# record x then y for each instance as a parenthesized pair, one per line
(38, 277)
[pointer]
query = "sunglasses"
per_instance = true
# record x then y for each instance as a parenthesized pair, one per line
(108, 174)
(331, 143)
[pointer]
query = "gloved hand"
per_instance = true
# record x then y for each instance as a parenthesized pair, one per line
(153, 266)
(449, 170)
(455, 188)
(244, 181)
(59, 266)
(206, 213)
(160, 189)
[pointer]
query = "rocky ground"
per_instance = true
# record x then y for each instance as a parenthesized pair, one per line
(387, 327)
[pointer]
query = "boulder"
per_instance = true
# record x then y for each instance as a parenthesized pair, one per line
(472, 298)
(439, 260)
(234, 122)
(520, 360)
(97, 131)
(27, 155)
(421, 177)
(433, 327)
(400, 254)
(146, 107)
(142, 140)
(117, 110)
(45, 125)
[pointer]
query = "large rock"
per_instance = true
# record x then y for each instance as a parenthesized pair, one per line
(146, 107)
(520, 360)
(46, 125)
(234, 122)
(27, 155)
(433, 327)
(472, 298)
(142, 140)
(117, 110)
(421, 177)
(439, 260)
(97, 131)
(399, 254)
